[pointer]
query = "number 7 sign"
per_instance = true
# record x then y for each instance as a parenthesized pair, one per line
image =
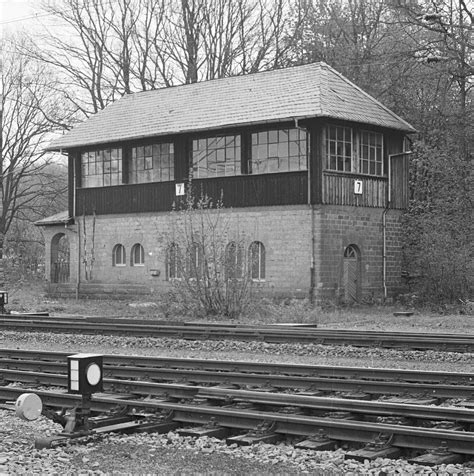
(179, 189)
(358, 187)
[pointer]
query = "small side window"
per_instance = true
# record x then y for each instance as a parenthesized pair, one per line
(118, 255)
(233, 261)
(138, 255)
(174, 262)
(257, 261)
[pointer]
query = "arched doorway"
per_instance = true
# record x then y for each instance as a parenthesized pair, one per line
(351, 274)
(60, 258)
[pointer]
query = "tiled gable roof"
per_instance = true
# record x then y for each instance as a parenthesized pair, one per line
(313, 90)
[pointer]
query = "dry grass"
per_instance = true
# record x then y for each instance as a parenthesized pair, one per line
(30, 297)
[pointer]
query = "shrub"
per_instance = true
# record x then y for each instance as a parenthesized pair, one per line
(206, 259)
(438, 225)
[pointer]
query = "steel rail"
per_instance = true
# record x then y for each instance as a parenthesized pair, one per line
(283, 327)
(17, 369)
(301, 425)
(306, 384)
(9, 357)
(271, 334)
(362, 407)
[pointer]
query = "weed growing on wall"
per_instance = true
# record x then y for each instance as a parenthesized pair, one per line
(206, 259)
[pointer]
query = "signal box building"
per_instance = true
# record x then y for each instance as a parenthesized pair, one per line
(312, 169)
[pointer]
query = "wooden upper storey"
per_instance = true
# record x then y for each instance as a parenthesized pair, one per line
(297, 135)
(311, 161)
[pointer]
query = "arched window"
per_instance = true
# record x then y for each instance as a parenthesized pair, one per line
(195, 261)
(174, 262)
(233, 261)
(60, 258)
(257, 261)
(138, 255)
(351, 252)
(118, 255)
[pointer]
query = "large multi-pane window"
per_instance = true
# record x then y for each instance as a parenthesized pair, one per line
(282, 150)
(216, 156)
(339, 146)
(100, 168)
(357, 151)
(152, 163)
(371, 153)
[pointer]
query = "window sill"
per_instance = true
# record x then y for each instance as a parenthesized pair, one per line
(354, 174)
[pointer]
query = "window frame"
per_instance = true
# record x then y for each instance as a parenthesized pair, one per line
(234, 252)
(195, 261)
(382, 148)
(328, 141)
(173, 257)
(212, 149)
(123, 256)
(261, 261)
(107, 165)
(149, 158)
(268, 141)
(357, 144)
(133, 262)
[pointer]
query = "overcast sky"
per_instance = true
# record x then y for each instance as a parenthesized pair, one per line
(16, 14)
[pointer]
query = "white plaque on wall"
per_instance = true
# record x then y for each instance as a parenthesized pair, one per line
(179, 189)
(358, 187)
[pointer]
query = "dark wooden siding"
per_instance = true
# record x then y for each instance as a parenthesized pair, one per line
(290, 188)
(399, 165)
(240, 191)
(338, 189)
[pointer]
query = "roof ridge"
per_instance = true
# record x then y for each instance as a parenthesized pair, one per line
(224, 78)
(385, 108)
(303, 91)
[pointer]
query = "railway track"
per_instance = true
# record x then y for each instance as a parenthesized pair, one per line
(270, 334)
(232, 405)
(39, 366)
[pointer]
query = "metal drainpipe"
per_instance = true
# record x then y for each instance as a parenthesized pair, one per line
(78, 272)
(312, 278)
(78, 278)
(384, 249)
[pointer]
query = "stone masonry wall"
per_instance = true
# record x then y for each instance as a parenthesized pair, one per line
(285, 232)
(337, 227)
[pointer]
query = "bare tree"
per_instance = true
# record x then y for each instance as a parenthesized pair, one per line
(30, 113)
(102, 50)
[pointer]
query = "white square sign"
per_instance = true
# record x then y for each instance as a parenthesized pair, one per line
(179, 189)
(358, 187)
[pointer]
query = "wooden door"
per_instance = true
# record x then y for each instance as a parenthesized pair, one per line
(351, 278)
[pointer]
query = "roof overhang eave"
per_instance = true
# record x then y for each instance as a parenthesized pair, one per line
(77, 145)
(404, 127)
(65, 222)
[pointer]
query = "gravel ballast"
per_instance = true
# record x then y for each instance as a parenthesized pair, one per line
(172, 454)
